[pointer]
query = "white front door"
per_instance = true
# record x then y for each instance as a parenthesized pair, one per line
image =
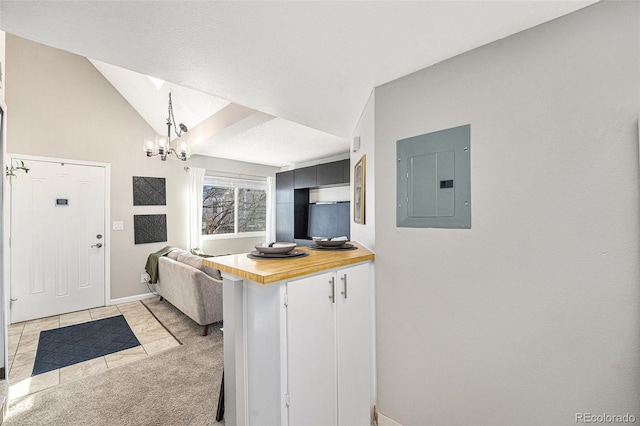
(57, 239)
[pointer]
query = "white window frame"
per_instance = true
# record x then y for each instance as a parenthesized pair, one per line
(236, 184)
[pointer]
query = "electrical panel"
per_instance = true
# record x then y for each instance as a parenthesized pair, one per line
(434, 180)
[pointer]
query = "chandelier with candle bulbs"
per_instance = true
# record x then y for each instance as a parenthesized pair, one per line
(161, 145)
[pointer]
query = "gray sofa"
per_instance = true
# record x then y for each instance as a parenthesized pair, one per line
(190, 286)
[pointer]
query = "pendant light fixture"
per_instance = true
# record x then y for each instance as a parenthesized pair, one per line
(161, 145)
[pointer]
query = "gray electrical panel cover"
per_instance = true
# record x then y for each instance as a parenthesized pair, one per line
(434, 180)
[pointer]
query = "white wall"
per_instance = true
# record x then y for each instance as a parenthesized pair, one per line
(3, 151)
(2, 63)
(61, 106)
(365, 233)
(531, 316)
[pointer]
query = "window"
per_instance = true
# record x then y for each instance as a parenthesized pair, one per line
(233, 206)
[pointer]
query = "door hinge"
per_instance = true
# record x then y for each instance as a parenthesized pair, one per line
(287, 401)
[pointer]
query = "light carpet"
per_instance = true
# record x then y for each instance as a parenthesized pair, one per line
(176, 387)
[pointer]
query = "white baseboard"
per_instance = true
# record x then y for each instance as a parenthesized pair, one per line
(386, 421)
(130, 299)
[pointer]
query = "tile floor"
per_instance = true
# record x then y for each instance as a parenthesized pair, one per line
(23, 344)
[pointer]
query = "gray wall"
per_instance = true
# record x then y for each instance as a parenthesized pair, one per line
(62, 107)
(531, 315)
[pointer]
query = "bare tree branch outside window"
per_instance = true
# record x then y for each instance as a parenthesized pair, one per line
(218, 210)
(252, 210)
(219, 206)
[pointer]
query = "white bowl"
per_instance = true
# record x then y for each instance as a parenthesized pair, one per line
(330, 242)
(275, 248)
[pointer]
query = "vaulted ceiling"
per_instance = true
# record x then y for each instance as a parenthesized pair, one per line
(291, 78)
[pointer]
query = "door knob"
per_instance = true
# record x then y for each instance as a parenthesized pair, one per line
(98, 245)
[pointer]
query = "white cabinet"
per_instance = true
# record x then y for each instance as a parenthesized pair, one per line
(299, 352)
(355, 345)
(329, 348)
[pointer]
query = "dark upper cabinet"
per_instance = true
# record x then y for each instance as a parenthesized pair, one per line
(330, 173)
(305, 178)
(346, 171)
(284, 187)
(292, 196)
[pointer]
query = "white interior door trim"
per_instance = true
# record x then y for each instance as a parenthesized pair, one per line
(4, 298)
(107, 217)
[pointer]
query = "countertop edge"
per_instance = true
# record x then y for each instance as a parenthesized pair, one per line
(295, 271)
(311, 270)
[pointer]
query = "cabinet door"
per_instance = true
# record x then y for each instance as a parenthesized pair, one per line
(355, 345)
(284, 187)
(329, 173)
(311, 351)
(305, 177)
(284, 222)
(346, 171)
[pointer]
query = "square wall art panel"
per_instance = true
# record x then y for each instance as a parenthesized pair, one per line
(149, 191)
(150, 228)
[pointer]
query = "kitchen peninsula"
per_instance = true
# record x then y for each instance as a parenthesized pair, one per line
(298, 338)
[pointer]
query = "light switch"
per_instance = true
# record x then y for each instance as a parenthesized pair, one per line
(118, 225)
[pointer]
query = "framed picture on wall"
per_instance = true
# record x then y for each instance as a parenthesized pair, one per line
(359, 181)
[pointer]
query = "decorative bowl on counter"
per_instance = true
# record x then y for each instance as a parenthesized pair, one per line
(275, 248)
(330, 242)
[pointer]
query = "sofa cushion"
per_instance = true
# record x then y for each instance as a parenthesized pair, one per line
(173, 254)
(196, 262)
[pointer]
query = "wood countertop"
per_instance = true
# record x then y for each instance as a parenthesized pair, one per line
(266, 271)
